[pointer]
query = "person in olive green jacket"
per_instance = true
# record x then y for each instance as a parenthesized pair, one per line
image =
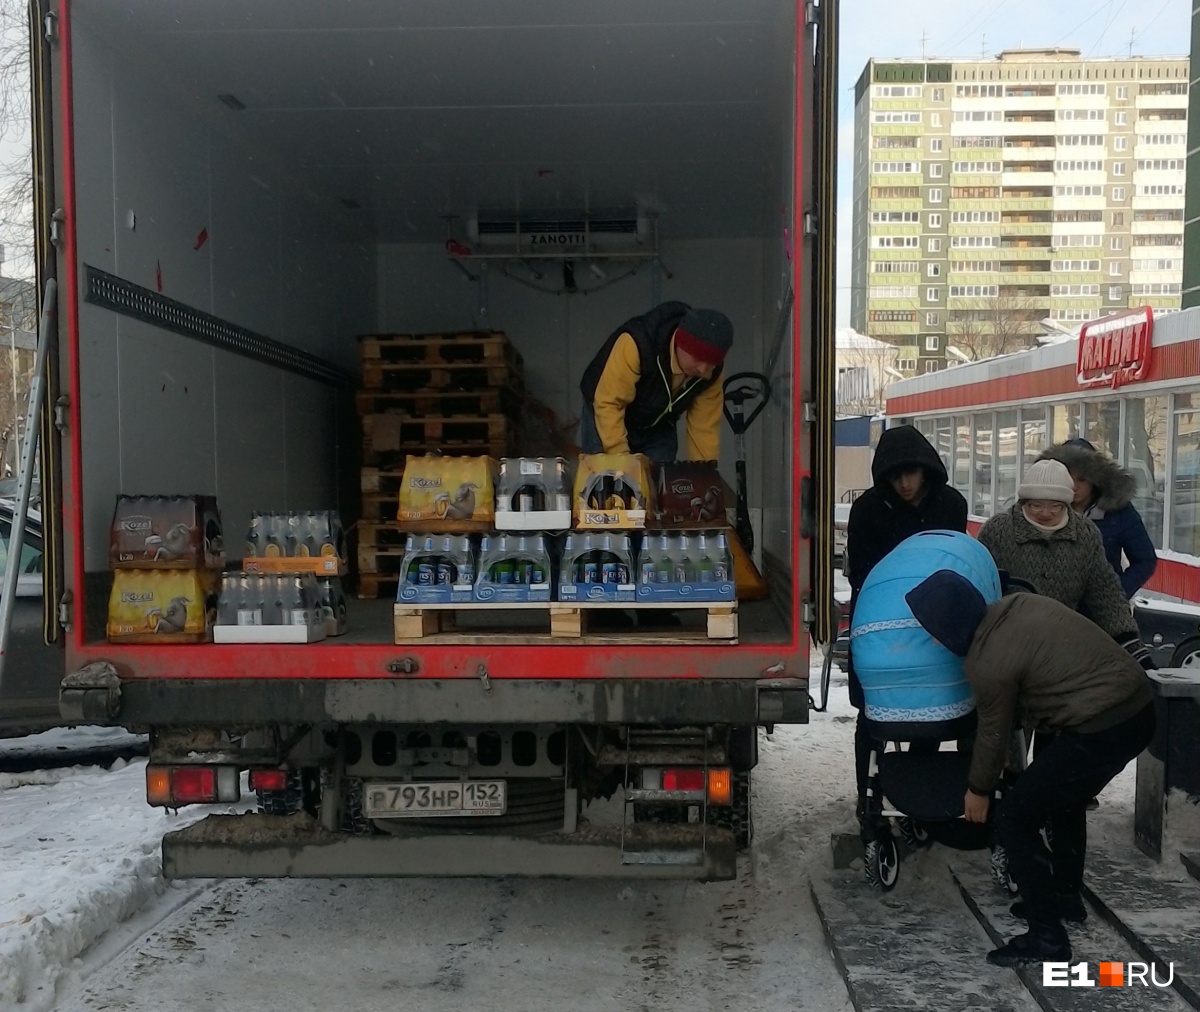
(1032, 659)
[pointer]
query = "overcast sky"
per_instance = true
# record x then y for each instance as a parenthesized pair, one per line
(965, 29)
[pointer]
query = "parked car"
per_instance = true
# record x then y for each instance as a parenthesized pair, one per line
(839, 649)
(32, 670)
(841, 518)
(1170, 630)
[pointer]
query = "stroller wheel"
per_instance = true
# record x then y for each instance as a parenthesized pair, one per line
(1000, 873)
(882, 863)
(915, 835)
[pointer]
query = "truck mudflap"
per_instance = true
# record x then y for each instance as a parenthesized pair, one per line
(296, 846)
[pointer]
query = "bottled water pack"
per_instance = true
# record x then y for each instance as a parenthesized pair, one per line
(685, 567)
(437, 569)
(597, 567)
(513, 568)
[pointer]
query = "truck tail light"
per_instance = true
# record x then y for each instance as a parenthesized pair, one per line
(173, 786)
(268, 780)
(683, 780)
(720, 787)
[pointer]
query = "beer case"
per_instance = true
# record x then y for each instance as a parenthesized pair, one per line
(613, 491)
(533, 494)
(690, 494)
(445, 489)
(162, 606)
(166, 532)
(308, 541)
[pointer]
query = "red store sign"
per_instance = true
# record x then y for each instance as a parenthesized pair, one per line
(1115, 350)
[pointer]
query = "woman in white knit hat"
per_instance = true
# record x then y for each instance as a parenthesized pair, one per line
(1043, 541)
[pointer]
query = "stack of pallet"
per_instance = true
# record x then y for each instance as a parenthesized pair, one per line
(455, 393)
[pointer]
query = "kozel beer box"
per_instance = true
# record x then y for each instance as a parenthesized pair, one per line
(164, 606)
(613, 490)
(448, 489)
(166, 532)
(690, 494)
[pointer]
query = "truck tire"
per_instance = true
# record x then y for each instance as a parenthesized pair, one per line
(736, 817)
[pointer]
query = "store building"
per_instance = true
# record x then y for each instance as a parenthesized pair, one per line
(1130, 385)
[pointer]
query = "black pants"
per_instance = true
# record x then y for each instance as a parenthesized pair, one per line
(1063, 776)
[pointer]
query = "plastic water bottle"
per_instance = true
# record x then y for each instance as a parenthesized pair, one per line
(591, 561)
(249, 600)
(254, 537)
(464, 563)
(704, 568)
(648, 562)
(444, 568)
(227, 606)
(681, 563)
(721, 565)
(541, 563)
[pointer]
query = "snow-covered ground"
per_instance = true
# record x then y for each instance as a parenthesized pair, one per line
(86, 920)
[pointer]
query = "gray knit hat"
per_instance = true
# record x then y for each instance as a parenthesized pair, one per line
(705, 334)
(1047, 479)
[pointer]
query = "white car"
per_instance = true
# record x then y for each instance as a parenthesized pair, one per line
(841, 517)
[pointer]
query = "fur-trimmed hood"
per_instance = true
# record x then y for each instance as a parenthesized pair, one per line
(1114, 485)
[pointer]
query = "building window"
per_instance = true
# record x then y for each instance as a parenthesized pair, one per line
(1144, 455)
(1118, 168)
(1118, 218)
(935, 170)
(1122, 91)
(1185, 505)
(1118, 193)
(1006, 457)
(1121, 119)
(1116, 243)
(1114, 269)
(934, 246)
(935, 221)
(932, 341)
(935, 144)
(982, 470)
(1120, 143)
(932, 294)
(933, 269)
(1114, 293)
(935, 119)
(939, 94)
(935, 195)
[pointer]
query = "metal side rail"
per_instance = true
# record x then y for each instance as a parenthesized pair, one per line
(295, 846)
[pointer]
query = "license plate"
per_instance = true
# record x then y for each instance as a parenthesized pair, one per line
(444, 797)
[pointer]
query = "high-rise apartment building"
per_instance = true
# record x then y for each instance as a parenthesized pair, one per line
(992, 195)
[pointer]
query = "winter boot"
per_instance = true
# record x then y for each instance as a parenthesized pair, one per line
(1069, 907)
(1044, 943)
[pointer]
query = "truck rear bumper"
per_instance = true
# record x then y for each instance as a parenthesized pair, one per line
(225, 702)
(265, 846)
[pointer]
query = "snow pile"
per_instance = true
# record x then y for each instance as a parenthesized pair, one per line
(79, 852)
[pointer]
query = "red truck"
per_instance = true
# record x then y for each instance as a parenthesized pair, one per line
(230, 194)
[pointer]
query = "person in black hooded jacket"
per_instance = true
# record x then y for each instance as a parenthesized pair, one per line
(910, 494)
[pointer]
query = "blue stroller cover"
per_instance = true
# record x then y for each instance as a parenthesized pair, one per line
(907, 677)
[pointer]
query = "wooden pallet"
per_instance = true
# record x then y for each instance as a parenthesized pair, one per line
(446, 403)
(569, 624)
(439, 348)
(375, 585)
(381, 546)
(388, 432)
(465, 376)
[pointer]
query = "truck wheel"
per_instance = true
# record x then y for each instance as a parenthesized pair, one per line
(736, 817)
(285, 802)
(1187, 656)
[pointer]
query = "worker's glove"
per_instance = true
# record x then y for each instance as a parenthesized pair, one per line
(1138, 651)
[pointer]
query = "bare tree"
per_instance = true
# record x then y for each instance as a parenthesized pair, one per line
(16, 168)
(866, 368)
(995, 326)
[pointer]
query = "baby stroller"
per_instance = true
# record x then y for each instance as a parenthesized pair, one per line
(915, 693)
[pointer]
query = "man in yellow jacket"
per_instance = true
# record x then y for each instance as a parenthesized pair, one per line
(653, 370)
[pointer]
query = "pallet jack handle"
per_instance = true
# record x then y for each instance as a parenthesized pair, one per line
(740, 389)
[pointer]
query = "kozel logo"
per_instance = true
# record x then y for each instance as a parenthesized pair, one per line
(426, 482)
(1108, 975)
(601, 519)
(136, 524)
(682, 487)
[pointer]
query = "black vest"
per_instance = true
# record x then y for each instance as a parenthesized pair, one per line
(652, 409)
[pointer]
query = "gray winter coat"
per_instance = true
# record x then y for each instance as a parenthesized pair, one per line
(1068, 565)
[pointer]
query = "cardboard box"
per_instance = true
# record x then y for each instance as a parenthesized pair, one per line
(613, 491)
(162, 606)
(269, 633)
(689, 493)
(166, 532)
(448, 488)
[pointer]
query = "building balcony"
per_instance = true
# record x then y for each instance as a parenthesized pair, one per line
(1157, 228)
(1011, 178)
(1026, 228)
(1026, 203)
